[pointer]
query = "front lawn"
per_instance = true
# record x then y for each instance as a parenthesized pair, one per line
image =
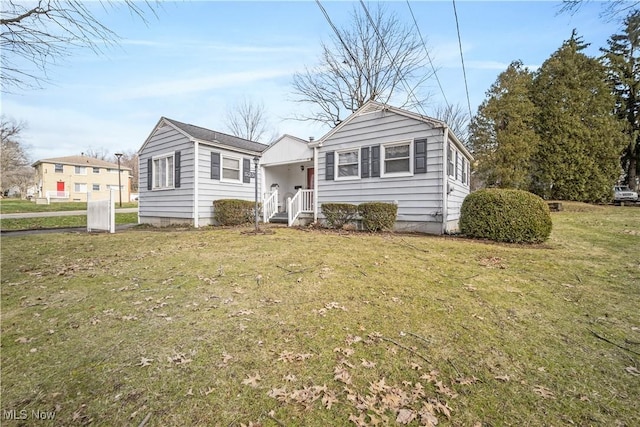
(8, 206)
(60, 221)
(318, 328)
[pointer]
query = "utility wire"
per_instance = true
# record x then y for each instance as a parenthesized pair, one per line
(464, 72)
(402, 80)
(428, 56)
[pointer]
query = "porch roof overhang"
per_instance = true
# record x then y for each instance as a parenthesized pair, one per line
(288, 162)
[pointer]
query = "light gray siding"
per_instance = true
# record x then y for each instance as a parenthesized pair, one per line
(458, 189)
(212, 189)
(174, 205)
(419, 197)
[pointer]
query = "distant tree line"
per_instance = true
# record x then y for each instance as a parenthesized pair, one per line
(571, 129)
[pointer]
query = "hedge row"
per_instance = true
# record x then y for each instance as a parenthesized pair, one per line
(376, 216)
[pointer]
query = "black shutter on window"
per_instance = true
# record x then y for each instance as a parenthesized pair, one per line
(246, 170)
(375, 161)
(329, 167)
(364, 162)
(149, 174)
(176, 163)
(420, 156)
(215, 165)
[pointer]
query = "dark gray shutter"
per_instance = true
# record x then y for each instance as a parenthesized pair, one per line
(375, 161)
(420, 156)
(246, 170)
(329, 174)
(364, 162)
(149, 174)
(176, 164)
(215, 165)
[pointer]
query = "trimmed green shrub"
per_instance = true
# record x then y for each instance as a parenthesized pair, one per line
(233, 211)
(505, 215)
(339, 214)
(378, 216)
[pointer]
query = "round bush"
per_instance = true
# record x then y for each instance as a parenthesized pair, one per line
(502, 215)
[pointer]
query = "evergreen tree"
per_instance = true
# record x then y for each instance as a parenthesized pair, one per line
(502, 134)
(581, 140)
(622, 59)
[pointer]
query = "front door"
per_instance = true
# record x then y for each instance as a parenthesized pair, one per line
(310, 172)
(60, 186)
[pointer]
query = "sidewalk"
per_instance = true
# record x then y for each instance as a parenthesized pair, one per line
(57, 213)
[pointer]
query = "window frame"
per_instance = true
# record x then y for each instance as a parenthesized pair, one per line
(77, 187)
(451, 167)
(80, 170)
(155, 164)
(55, 168)
(383, 159)
(93, 187)
(464, 170)
(337, 164)
(96, 170)
(224, 157)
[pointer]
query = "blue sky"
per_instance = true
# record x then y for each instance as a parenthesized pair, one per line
(197, 58)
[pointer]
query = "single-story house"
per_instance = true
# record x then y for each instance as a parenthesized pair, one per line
(184, 168)
(379, 153)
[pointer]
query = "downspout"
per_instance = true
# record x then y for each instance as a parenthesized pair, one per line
(445, 180)
(315, 184)
(196, 182)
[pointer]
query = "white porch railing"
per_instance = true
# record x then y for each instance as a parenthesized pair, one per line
(270, 206)
(56, 195)
(302, 202)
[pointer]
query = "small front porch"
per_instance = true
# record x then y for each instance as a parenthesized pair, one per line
(298, 210)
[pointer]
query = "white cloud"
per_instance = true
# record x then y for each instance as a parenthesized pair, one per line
(199, 84)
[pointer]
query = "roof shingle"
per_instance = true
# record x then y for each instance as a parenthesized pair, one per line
(82, 161)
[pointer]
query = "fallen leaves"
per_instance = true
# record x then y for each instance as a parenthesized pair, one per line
(252, 380)
(543, 392)
(144, 361)
(632, 370)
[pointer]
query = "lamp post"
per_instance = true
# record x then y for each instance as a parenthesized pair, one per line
(256, 159)
(118, 155)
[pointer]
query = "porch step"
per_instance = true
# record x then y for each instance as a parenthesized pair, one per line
(280, 218)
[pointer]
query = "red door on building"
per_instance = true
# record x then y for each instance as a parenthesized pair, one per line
(310, 178)
(60, 188)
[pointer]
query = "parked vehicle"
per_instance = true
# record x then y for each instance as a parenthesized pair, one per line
(622, 193)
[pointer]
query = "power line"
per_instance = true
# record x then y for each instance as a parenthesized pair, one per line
(464, 72)
(428, 56)
(402, 80)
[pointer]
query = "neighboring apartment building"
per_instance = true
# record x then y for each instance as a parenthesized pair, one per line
(71, 178)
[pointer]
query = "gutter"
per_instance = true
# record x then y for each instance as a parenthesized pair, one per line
(196, 184)
(445, 178)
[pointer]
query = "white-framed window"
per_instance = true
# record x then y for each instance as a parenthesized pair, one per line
(396, 159)
(96, 170)
(457, 165)
(163, 172)
(80, 170)
(95, 187)
(464, 170)
(451, 167)
(79, 187)
(58, 168)
(231, 169)
(348, 164)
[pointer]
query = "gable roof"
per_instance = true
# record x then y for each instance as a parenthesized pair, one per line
(373, 106)
(208, 135)
(81, 161)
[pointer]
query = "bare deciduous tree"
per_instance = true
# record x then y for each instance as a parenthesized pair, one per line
(457, 118)
(99, 153)
(611, 10)
(37, 34)
(15, 168)
(247, 119)
(129, 159)
(376, 58)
